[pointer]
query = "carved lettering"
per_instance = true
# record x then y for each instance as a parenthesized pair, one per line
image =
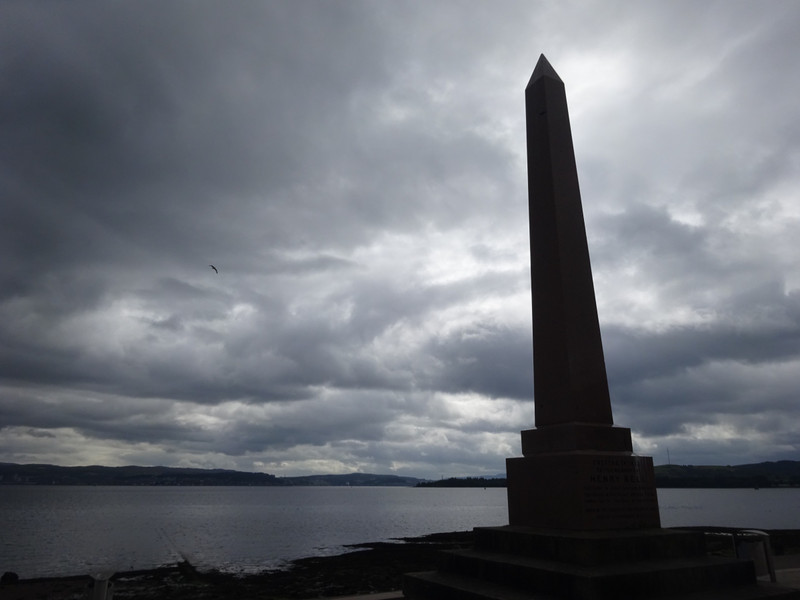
(617, 489)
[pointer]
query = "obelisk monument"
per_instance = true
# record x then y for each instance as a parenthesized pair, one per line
(578, 470)
(583, 513)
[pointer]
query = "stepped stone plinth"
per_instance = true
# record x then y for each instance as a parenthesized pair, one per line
(521, 563)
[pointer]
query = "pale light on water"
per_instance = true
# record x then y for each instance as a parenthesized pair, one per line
(70, 530)
(769, 508)
(74, 530)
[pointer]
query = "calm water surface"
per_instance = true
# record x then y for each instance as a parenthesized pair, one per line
(63, 530)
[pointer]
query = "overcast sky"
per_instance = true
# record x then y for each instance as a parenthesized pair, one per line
(356, 173)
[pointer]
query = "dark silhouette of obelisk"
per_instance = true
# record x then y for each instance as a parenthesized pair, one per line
(578, 471)
(570, 383)
(583, 515)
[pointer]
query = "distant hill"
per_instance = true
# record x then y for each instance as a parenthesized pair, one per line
(464, 482)
(784, 473)
(356, 479)
(35, 474)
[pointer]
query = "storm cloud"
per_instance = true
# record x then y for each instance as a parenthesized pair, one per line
(356, 173)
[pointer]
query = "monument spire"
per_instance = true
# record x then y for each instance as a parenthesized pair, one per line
(570, 382)
(543, 69)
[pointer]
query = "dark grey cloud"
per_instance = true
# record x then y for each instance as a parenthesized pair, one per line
(356, 172)
(485, 359)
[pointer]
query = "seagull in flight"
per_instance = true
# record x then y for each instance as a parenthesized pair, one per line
(215, 269)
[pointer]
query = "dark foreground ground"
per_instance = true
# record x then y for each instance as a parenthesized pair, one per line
(369, 568)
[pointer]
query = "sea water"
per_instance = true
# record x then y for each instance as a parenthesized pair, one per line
(66, 530)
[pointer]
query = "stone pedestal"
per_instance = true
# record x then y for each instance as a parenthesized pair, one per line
(582, 491)
(581, 477)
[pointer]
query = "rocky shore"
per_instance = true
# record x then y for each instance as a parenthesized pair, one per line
(368, 568)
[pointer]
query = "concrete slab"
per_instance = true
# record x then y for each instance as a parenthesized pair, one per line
(395, 595)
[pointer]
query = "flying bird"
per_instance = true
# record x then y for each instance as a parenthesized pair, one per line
(215, 269)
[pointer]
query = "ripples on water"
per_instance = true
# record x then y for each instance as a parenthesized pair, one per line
(72, 530)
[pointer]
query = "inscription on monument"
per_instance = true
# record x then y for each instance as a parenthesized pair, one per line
(616, 487)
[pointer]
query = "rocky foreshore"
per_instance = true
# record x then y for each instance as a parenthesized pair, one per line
(368, 568)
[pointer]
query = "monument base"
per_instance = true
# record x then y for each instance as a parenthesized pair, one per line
(584, 525)
(516, 563)
(582, 490)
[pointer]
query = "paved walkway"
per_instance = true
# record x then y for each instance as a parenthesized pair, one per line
(787, 572)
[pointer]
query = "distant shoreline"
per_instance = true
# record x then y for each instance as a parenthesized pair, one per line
(36, 474)
(778, 474)
(694, 484)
